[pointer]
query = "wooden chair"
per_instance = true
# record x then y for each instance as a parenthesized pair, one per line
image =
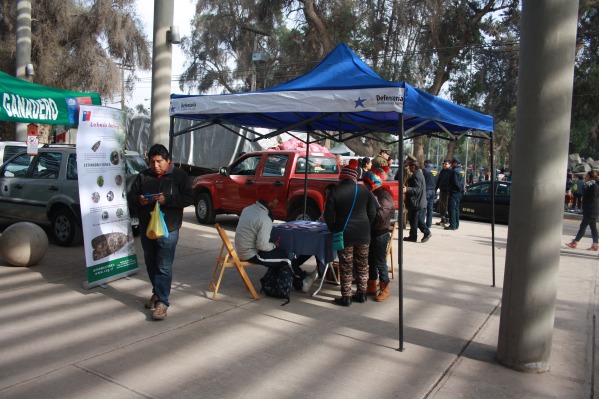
(228, 258)
(390, 249)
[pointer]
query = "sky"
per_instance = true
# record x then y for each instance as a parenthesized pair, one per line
(184, 10)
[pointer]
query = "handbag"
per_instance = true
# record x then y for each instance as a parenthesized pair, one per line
(157, 226)
(338, 243)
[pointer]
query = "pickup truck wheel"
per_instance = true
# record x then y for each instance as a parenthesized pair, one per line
(65, 228)
(298, 214)
(205, 209)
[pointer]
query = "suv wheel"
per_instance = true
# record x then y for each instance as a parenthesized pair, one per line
(205, 209)
(298, 213)
(65, 228)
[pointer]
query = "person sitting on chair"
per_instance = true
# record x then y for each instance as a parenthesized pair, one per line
(252, 239)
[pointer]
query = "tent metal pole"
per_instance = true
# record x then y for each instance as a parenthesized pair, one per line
(492, 211)
(400, 232)
(171, 135)
(306, 173)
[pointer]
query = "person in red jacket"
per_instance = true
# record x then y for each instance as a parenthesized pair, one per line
(379, 235)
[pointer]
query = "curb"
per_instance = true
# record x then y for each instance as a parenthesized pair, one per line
(572, 216)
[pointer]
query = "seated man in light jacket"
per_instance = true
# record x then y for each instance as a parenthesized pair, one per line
(252, 239)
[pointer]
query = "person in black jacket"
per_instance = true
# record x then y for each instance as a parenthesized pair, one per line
(415, 203)
(590, 211)
(379, 235)
(456, 190)
(443, 187)
(171, 188)
(356, 236)
(431, 191)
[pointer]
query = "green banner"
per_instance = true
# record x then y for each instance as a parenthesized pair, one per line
(114, 267)
(22, 101)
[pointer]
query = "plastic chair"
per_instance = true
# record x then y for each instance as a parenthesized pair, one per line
(227, 257)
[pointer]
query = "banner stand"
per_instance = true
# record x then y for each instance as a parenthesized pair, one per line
(107, 235)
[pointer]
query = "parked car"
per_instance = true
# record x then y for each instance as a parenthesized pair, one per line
(43, 189)
(476, 202)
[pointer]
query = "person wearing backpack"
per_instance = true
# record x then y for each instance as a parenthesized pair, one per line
(252, 239)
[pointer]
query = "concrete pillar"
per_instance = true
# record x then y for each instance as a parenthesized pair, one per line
(545, 76)
(23, 55)
(161, 72)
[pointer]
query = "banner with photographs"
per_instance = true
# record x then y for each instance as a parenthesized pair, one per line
(107, 235)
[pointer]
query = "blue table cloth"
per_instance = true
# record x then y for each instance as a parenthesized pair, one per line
(303, 237)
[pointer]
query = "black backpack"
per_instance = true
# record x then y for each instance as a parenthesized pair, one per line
(277, 282)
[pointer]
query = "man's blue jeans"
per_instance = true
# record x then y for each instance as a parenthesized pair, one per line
(430, 201)
(377, 258)
(454, 209)
(159, 255)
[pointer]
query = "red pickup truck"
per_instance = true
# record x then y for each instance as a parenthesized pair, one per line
(234, 187)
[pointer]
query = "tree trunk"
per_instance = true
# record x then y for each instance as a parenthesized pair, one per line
(316, 21)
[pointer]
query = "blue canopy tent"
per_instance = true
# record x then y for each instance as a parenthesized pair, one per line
(340, 99)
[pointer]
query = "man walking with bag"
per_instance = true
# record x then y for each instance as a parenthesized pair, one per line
(170, 186)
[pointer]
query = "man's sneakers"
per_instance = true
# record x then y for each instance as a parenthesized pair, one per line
(450, 228)
(426, 237)
(309, 280)
(159, 311)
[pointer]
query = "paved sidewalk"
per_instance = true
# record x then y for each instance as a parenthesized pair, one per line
(59, 340)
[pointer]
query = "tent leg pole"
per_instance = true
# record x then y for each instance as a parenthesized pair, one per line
(400, 236)
(492, 214)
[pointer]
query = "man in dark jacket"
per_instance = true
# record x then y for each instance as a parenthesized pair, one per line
(443, 187)
(456, 190)
(415, 203)
(431, 190)
(171, 188)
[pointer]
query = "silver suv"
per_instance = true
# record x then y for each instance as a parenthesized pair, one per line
(43, 189)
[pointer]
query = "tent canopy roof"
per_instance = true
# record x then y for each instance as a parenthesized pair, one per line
(27, 102)
(340, 94)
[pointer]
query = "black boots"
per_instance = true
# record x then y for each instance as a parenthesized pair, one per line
(359, 297)
(343, 301)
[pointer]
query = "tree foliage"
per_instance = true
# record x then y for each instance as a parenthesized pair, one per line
(78, 44)
(584, 135)
(466, 50)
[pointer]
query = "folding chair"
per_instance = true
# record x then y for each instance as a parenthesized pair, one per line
(228, 258)
(390, 249)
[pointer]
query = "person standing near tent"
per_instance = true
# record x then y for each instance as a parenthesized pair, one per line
(456, 190)
(379, 236)
(365, 165)
(415, 202)
(172, 187)
(381, 160)
(351, 208)
(443, 187)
